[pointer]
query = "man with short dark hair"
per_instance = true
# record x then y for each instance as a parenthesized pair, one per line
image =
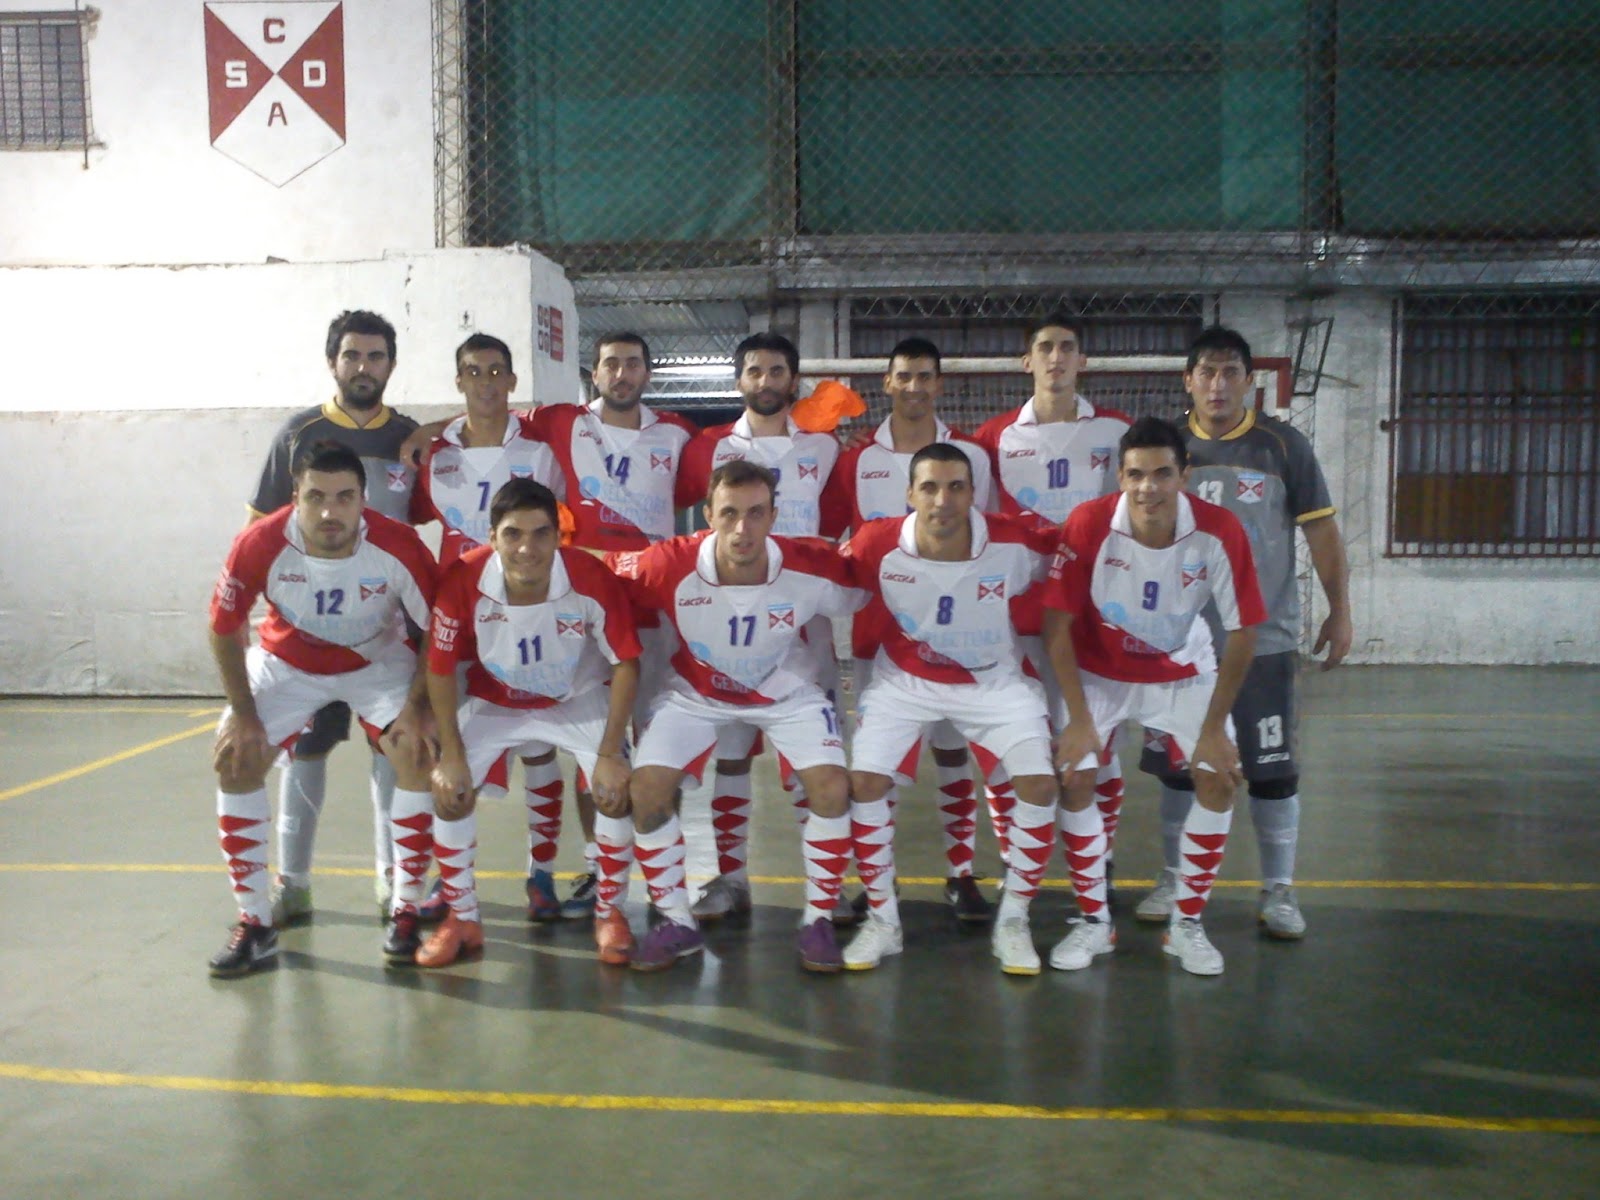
(944, 582)
(1265, 473)
(337, 578)
(738, 598)
(547, 641)
(1124, 630)
(360, 350)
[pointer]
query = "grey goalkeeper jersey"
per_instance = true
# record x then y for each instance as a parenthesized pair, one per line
(378, 443)
(1264, 473)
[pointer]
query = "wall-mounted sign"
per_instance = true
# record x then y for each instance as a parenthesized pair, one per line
(275, 78)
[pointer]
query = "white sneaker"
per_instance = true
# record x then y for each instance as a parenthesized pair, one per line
(876, 939)
(1187, 942)
(1158, 905)
(1012, 944)
(1279, 913)
(724, 896)
(1087, 941)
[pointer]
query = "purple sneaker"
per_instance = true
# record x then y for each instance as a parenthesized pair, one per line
(665, 945)
(819, 950)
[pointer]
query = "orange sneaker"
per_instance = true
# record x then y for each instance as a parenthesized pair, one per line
(614, 938)
(453, 940)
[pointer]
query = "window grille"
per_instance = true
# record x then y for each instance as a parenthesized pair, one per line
(44, 80)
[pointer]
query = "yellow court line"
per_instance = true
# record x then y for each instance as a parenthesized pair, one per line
(821, 1108)
(910, 881)
(109, 760)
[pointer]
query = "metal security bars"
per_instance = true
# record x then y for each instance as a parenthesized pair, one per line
(753, 148)
(44, 81)
(1495, 427)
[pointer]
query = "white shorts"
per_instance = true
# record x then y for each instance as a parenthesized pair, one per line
(655, 662)
(738, 740)
(287, 697)
(943, 736)
(683, 731)
(576, 725)
(1177, 709)
(1003, 720)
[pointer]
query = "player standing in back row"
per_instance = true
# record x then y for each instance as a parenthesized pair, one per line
(1054, 453)
(1264, 472)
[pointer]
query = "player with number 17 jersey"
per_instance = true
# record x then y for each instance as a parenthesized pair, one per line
(741, 646)
(622, 482)
(457, 482)
(1051, 467)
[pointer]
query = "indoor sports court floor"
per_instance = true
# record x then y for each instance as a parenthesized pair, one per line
(1436, 1034)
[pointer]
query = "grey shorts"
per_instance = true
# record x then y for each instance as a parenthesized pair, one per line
(1266, 722)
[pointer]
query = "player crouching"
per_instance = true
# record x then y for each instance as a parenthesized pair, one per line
(1123, 606)
(551, 657)
(738, 599)
(336, 579)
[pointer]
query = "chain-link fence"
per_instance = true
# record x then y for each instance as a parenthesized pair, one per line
(724, 148)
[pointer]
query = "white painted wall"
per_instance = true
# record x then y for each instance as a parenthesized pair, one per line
(135, 419)
(1529, 611)
(156, 191)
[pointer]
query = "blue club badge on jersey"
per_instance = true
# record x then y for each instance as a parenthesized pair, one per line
(374, 587)
(1193, 573)
(808, 468)
(396, 476)
(1100, 458)
(1252, 487)
(780, 614)
(991, 589)
(661, 460)
(518, 471)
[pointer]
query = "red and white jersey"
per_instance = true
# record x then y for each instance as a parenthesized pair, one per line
(741, 643)
(803, 462)
(621, 483)
(456, 484)
(1053, 467)
(325, 615)
(872, 478)
(1136, 610)
(531, 655)
(948, 622)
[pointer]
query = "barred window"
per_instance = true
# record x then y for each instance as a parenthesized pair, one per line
(44, 80)
(1495, 427)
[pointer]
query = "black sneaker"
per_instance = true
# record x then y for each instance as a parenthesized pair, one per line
(400, 947)
(249, 946)
(1111, 887)
(966, 901)
(847, 914)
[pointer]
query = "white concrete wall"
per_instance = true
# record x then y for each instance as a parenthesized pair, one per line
(136, 412)
(1530, 611)
(156, 191)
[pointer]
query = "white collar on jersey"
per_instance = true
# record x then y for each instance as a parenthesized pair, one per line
(980, 533)
(647, 417)
(705, 563)
(1121, 524)
(452, 431)
(492, 583)
(741, 428)
(1028, 415)
(886, 439)
(295, 538)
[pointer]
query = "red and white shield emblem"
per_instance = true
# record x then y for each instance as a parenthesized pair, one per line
(566, 627)
(275, 77)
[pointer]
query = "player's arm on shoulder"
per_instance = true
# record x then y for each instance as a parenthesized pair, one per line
(1333, 573)
(416, 449)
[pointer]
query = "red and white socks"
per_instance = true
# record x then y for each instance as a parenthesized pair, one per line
(730, 818)
(1108, 799)
(1084, 843)
(1001, 798)
(827, 848)
(1205, 834)
(613, 862)
(411, 827)
(660, 854)
(1033, 828)
(958, 809)
(244, 826)
(455, 845)
(872, 833)
(544, 789)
